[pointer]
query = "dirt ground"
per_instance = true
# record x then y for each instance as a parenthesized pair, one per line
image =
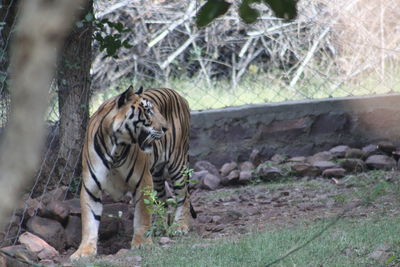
(226, 212)
(238, 210)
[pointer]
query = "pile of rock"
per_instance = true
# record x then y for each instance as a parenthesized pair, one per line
(52, 226)
(335, 163)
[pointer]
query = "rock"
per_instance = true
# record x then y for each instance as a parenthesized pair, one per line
(74, 206)
(204, 165)
(164, 241)
(56, 210)
(321, 156)
(197, 177)
(255, 157)
(305, 169)
(38, 246)
(18, 252)
(370, 150)
(210, 182)
(227, 168)
(353, 165)
(268, 173)
(231, 179)
(245, 177)
(73, 232)
(30, 206)
(386, 147)
(109, 227)
(396, 155)
(339, 151)
(380, 253)
(334, 172)
(277, 158)
(51, 231)
(246, 166)
(297, 159)
(323, 165)
(117, 210)
(355, 153)
(380, 162)
(57, 194)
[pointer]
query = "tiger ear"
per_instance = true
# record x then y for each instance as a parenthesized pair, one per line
(125, 96)
(139, 91)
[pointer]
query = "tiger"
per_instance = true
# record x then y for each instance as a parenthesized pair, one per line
(135, 140)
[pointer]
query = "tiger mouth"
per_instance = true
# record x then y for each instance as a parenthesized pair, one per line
(147, 139)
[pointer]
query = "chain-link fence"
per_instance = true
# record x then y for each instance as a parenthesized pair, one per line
(333, 49)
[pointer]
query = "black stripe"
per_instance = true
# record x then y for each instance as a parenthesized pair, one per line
(141, 177)
(97, 148)
(93, 197)
(96, 217)
(130, 134)
(94, 176)
(131, 171)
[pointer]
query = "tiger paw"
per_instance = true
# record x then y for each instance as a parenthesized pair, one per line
(84, 252)
(140, 242)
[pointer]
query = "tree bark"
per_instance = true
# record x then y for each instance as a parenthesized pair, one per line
(73, 80)
(40, 33)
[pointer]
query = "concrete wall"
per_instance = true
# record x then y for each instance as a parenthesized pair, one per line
(293, 128)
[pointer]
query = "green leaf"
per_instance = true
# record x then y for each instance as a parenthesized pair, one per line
(79, 24)
(146, 201)
(285, 9)
(247, 13)
(211, 10)
(89, 17)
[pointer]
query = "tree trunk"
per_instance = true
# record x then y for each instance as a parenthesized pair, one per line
(73, 94)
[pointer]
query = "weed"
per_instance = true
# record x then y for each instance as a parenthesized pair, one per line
(160, 226)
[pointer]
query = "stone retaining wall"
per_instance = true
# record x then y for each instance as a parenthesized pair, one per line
(293, 128)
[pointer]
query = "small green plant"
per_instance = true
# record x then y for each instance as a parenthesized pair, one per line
(160, 225)
(187, 174)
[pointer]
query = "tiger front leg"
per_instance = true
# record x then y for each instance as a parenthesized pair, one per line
(143, 214)
(91, 210)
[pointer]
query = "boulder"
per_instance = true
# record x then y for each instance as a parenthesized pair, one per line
(255, 157)
(74, 206)
(227, 168)
(51, 231)
(386, 147)
(18, 252)
(353, 165)
(204, 165)
(334, 172)
(197, 177)
(297, 159)
(38, 246)
(339, 151)
(380, 162)
(56, 210)
(277, 158)
(323, 165)
(210, 182)
(304, 169)
(245, 177)
(355, 153)
(320, 156)
(109, 226)
(231, 179)
(268, 173)
(59, 194)
(370, 150)
(73, 232)
(246, 166)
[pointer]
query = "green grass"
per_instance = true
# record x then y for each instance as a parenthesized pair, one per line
(348, 243)
(258, 87)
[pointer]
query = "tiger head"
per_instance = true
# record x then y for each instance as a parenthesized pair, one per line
(137, 120)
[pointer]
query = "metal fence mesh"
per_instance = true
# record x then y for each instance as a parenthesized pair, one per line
(334, 49)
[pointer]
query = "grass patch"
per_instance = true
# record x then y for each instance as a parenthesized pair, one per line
(348, 243)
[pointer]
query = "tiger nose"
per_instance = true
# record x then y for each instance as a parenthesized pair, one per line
(164, 129)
